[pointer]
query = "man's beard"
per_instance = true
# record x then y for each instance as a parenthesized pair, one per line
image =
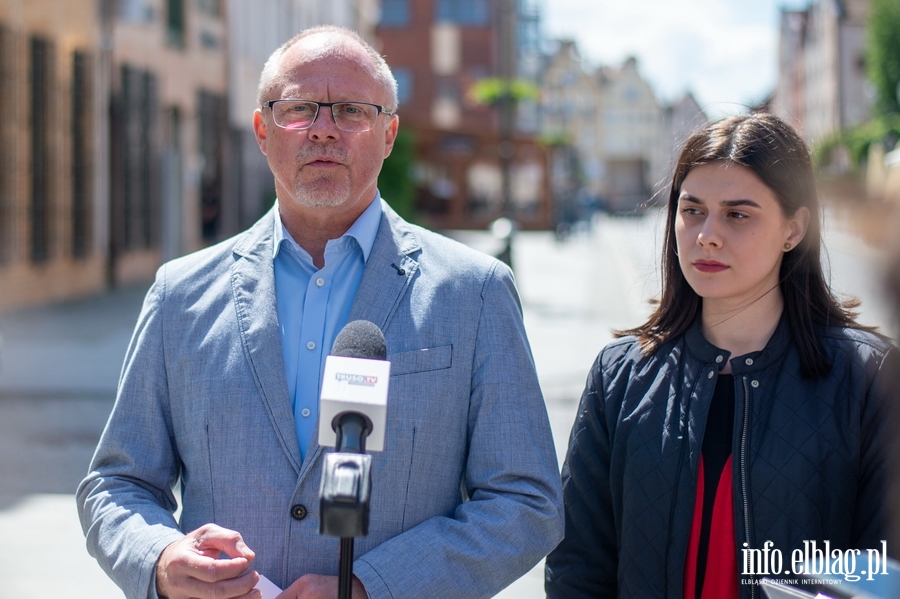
(322, 192)
(325, 190)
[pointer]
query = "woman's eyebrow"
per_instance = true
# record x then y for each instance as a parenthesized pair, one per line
(741, 202)
(686, 197)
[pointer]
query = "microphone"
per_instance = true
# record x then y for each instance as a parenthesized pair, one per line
(352, 414)
(353, 407)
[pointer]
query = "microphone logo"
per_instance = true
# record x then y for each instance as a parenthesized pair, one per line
(356, 379)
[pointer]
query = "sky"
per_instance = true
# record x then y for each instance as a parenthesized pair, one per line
(723, 51)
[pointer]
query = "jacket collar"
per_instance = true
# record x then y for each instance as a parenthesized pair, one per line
(389, 271)
(708, 353)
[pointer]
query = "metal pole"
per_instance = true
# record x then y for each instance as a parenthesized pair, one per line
(506, 148)
(108, 10)
(345, 569)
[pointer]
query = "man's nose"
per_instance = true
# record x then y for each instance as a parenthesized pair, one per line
(324, 126)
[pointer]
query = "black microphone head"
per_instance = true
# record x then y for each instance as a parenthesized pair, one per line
(360, 339)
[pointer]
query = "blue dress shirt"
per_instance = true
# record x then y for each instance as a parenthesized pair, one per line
(313, 306)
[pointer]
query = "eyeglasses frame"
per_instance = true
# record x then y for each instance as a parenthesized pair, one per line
(271, 103)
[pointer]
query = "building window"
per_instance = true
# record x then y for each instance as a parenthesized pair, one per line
(473, 13)
(81, 154)
(134, 158)
(175, 23)
(210, 7)
(394, 13)
(212, 115)
(40, 77)
(135, 11)
(448, 89)
(7, 150)
(404, 79)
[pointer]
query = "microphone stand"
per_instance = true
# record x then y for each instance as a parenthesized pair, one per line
(345, 568)
(344, 496)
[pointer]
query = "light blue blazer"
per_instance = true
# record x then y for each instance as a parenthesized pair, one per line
(466, 495)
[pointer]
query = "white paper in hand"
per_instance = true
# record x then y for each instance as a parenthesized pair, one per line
(268, 588)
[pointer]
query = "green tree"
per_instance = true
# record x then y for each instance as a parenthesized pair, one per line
(883, 53)
(395, 181)
(492, 90)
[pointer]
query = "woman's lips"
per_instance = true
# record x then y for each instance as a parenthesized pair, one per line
(709, 266)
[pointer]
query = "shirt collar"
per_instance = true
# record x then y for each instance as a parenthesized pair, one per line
(363, 230)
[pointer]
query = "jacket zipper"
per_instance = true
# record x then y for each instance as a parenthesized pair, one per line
(744, 432)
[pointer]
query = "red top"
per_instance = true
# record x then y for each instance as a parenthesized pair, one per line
(720, 579)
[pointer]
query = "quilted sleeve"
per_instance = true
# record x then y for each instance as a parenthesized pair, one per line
(880, 415)
(585, 563)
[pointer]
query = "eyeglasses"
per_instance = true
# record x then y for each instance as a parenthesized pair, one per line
(353, 117)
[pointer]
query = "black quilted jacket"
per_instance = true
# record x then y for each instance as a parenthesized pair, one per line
(806, 459)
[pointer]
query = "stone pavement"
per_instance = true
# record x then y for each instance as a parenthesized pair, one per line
(58, 371)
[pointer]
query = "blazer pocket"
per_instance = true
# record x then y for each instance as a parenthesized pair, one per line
(421, 360)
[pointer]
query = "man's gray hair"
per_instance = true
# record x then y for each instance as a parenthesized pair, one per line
(271, 74)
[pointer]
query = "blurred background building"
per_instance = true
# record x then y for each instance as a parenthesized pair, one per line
(839, 85)
(126, 137)
(822, 86)
(127, 140)
(623, 140)
(440, 51)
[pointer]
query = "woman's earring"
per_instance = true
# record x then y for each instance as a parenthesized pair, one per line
(787, 245)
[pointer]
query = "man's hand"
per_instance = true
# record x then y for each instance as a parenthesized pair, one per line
(315, 586)
(191, 568)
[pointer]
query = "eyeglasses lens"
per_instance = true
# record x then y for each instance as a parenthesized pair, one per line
(348, 116)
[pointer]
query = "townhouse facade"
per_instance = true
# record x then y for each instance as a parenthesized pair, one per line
(53, 231)
(822, 86)
(623, 141)
(127, 135)
(439, 50)
(632, 128)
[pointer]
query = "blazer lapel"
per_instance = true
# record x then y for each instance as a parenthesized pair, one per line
(382, 285)
(253, 284)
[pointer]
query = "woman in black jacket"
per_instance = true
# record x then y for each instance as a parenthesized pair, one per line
(739, 431)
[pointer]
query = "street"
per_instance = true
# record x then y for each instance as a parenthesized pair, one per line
(59, 366)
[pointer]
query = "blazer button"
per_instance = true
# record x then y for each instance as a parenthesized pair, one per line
(298, 512)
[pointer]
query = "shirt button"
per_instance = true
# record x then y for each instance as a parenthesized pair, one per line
(719, 359)
(754, 384)
(298, 512)
(311, 345)
(320, 281)
(305, 412)
(710, 375)
(749, 361)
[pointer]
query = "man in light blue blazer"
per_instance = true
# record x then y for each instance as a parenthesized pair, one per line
(219, 388)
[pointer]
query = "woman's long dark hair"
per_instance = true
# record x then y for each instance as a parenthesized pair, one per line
(778, 156)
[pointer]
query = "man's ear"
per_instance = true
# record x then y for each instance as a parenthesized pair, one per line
(260, 129)
(390, 134)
